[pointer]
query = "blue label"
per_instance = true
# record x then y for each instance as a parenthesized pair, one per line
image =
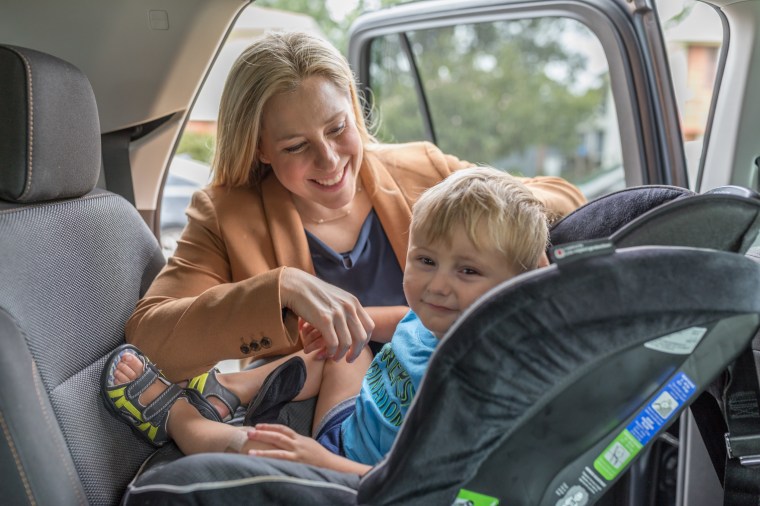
(665, 403)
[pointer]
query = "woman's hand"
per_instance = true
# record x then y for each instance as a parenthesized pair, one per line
(286, 444)
(343, 323)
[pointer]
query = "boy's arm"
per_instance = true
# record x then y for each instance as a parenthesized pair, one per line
(281, 442)
(386, 319)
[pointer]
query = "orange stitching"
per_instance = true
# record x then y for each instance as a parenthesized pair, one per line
(31, 122)
(20, 468)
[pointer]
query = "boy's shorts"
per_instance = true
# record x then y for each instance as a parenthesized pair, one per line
(328, 430)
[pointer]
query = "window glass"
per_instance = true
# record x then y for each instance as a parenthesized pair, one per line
(393, 86)
(693, 36)
(529, 96)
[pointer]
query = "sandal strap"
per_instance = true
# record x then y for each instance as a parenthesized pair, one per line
(207, 385)
(157, 410)
(147, 378)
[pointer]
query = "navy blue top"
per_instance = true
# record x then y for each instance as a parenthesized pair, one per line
(370, 271)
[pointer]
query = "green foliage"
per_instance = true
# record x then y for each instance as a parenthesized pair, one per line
(492, 92)
(336, 30)
(198, 146)
(509, 94)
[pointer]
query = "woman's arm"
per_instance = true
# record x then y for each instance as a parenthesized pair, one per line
(194, 314)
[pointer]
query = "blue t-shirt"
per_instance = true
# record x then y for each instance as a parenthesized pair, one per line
(387, 391)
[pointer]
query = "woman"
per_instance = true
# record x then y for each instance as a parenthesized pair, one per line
(299, 188)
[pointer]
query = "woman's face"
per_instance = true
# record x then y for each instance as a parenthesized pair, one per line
(310, 139)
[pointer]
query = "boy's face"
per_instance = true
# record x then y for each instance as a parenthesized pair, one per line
(442, 279)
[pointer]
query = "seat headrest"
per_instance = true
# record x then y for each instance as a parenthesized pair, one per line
(722, 220)
(50, 133)
(603, 216)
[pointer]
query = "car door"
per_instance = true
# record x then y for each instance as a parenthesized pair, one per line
(579, 89)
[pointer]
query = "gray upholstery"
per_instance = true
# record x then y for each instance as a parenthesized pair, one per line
(601, 217)
(73, 263)
(524, 362)
(714, 220)
(50, 133)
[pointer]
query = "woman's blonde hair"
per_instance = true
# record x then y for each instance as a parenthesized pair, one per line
(496, 210)
(277, 63)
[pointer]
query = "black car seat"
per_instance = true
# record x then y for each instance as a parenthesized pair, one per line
(73, 263)
(724, 218)
(533, 396)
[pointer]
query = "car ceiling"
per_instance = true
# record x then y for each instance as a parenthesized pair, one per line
(145, 59)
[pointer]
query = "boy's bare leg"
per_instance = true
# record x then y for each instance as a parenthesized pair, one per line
(186, 426)
(246, 384)
(340, 380)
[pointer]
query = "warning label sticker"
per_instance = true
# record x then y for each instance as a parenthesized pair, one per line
(644, 426)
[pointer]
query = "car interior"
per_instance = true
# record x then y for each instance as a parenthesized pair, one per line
(565, 386)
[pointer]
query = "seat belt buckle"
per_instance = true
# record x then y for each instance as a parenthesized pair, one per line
(745, 448)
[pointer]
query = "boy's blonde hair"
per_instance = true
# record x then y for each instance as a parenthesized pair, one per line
(274, 64)
(496, 210)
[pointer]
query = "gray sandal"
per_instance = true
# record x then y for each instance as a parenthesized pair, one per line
(149, 422)
(206, 385)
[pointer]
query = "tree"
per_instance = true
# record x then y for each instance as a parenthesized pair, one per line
(506, 93)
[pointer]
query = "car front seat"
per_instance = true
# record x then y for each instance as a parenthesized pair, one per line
(74, 260)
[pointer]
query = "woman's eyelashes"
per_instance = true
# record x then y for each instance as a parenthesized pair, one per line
(301, 146)
(296, 148)
(337, 130)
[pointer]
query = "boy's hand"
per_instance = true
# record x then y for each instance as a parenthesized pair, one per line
(289, 445)
(312, 339)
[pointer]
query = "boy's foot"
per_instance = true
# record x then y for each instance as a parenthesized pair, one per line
(134, 391)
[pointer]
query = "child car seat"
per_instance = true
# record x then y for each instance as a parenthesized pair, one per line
(544, 392)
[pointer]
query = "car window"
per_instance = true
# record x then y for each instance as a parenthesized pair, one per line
(530, 96)
(693, 36)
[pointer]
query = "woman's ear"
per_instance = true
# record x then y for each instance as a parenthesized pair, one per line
(543, 260)
(264, 159)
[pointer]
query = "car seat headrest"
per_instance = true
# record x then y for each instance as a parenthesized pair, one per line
(603, 216)
(722, 220)
(50, 133)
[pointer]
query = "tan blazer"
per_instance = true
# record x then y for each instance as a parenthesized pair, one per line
(218, 296)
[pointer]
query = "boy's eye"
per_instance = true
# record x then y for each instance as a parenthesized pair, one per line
(426, 261)
(470, 272)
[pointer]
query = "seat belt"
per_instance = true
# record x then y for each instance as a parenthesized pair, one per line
(116, 165)
(741, 482)
(711, 424)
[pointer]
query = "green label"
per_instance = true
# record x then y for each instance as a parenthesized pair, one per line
(470, 498)
(617, 455)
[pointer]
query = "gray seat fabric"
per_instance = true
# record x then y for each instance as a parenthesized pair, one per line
(73, 263)
(603, 216)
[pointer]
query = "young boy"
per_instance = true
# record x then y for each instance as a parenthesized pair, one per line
(471, 232)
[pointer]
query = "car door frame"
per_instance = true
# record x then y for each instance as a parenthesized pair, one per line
(648, 120)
